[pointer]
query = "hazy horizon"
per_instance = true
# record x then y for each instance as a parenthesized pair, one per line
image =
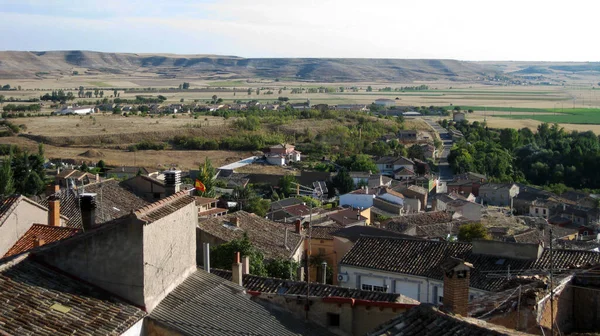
(462, 30)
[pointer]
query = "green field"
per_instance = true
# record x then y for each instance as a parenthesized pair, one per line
(576, 110)
(570, 116)
(101, 84)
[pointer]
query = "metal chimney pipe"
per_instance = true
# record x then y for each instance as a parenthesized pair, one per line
(206, 254)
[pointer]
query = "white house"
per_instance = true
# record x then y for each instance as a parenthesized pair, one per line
(81, 110)
(388, 165)
(392, 196)
(361, 198)
(468, 210)
(282, 154)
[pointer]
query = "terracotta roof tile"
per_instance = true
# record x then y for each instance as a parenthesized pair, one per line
(37, 300)
(266, 235)
(48, 233)
(164, 207)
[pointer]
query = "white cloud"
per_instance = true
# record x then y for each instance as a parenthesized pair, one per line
(461, 29)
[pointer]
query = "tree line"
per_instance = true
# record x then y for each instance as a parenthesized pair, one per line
(550, 156)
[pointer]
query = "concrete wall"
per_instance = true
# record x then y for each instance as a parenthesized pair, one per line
(205, 237)
(586, 309)
(169, 253)
(341, 246)
(392, 199)
(135, 330)
(388, 207)
(110, 258)
(18, 222)
(357, 200)
(471, 211)
(412, 205)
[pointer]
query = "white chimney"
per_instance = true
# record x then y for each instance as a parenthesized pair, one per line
(172, 181)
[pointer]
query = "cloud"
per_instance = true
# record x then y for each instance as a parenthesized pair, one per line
(461, 29)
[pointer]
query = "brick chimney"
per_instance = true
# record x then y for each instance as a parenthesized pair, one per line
(87, 203)
(457, 274)
(52, 189)
(54, 211)
(236, 270)
(298, 225)
(235, 221)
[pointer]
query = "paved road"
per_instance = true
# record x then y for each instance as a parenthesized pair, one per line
(445, 170)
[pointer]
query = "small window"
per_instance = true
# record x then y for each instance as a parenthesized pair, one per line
(366, 287)
(544, 211)
(333, 320)
(379, 289)
(537, 211)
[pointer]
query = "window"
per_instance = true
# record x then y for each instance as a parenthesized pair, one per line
(544, 211)
(537, 211)
(435, 295)
(156, 195)
(333, 320)
(366, 287)
(379, 289)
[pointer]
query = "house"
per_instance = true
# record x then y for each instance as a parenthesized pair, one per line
(80, 110)
(342, 310)
(441, 200)
(282, 154)
(414, 267)
(408, 135)
(19, 213)
(415, 192)
(274, 240)
(456, 135)
(429, 151)
(458, 116)
(540, 208)
(391, 196)
(361, 198)
(385, 103)
(288, 210)
(428, 320)
(370, 180)
(102, 290)
(465, 209)
(68, 178)
(387, 165)
(498, 194)
(125, 172)
(207, 207)
(404, 174)
(466, 183)
(321, 248)
(146, 187)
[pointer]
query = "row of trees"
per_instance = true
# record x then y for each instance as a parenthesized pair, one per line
(21, 108)
(546, 157)
(22, 172)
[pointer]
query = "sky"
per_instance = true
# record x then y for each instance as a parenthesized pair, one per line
(523, 30)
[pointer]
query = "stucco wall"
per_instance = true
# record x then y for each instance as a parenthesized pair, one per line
(204, 237)
(389, 207)
(110, 258)
(18, 222)
(169, 253)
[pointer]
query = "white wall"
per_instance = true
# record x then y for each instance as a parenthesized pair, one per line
(418, 288)
(392, 199)
(135, 330)
(357, 200)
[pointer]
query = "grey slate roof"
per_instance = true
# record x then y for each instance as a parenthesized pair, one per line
(426, 320)
(206, 304)
(423, 258)
(30, 292)
(290, 287)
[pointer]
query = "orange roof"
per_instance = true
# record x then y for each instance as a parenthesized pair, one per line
(47, 233)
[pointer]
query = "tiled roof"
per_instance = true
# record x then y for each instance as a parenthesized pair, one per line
(346, 216)
(535, 235)
(422, 258)
(323, 232)
(496, 186)
(39, 231)
(298, 210)
(441, 230)
(212, 211)
(164, 207)
(286, 202)
(206, 304)
(393, 192)
(204, 200)
(413, 188)
(113, 200)
(130, 170)
(36, 300)
(266, 235)
(400, 224)
(404, 171)
(353, 233)
(69, 207)
(426, 320)
(290, 287)
(7, 206)
(395, 160)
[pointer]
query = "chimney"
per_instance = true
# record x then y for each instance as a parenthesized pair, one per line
(300, 273)
(235, 220)
(172, 181)
(236, 270)
(298, 224)
(97, 178)
(52, 189)
(54, 211)
(87, 203)
(357, 215)
(285, 239)
(206, 255)
(245, 265)
(37, 242)
(457, 274)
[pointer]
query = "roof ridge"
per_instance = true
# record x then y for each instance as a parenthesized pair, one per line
(56, 227)
(160, 203)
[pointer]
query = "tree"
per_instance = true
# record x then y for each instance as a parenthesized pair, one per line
(258, 206)
(207, 177)
(7, 186)
(416, 152)
(84, 167)
(34, 185)
(96, 93)
(469, 232)
(101, 93)
(282, 268)
(2, 99)
(343, 182)
(286, 184)
(101, 165)
(222, 256)
(249, 91)
(358, 162)
(185, 85)
(369, 88)
(214, 98)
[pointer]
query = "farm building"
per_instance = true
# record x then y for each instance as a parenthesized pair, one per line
(81, 110)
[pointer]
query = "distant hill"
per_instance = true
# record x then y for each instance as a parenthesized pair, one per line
(24, 64)
(21, 64)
